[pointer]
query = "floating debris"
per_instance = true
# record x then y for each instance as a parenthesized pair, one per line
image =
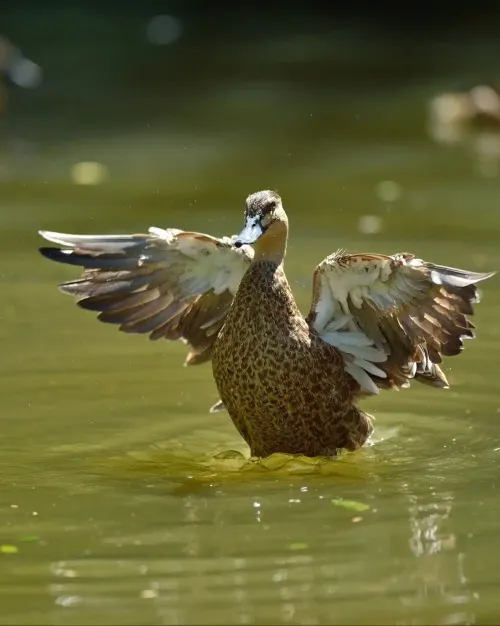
(352, 505)
(28, 538)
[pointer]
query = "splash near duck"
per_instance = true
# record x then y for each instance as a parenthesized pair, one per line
(291, 384)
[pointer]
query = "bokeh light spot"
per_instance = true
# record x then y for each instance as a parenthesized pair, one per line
(163, 30)
(89, 173)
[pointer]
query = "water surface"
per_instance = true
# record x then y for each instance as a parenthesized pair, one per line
(120, 503)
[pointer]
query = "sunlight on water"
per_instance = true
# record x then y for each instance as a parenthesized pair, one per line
(199, 458)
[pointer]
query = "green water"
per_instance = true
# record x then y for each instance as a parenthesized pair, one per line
(117, 501)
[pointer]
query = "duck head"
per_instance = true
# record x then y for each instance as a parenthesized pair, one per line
(266, 224)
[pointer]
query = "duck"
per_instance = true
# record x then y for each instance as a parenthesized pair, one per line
(480, 105)
(467, 117)
(290, 383)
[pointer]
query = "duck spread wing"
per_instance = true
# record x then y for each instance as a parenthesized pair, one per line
(169, 283)
(393, 317)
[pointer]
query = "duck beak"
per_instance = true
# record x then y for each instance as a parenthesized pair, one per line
(252, 231)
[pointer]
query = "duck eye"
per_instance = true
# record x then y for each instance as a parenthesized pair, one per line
(270, 206)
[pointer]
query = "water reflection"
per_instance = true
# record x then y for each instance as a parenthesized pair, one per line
(439, 566)
(259, 562)
(426, 519)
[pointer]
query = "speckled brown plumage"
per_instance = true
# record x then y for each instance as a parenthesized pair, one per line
(278, 379)
(289, 383)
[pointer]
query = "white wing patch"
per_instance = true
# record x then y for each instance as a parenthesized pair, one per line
(339, 287)
(393, 317)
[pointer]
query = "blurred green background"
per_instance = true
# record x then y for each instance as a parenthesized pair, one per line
(118, 504)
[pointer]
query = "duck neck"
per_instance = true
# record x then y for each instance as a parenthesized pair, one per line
(272, 245)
